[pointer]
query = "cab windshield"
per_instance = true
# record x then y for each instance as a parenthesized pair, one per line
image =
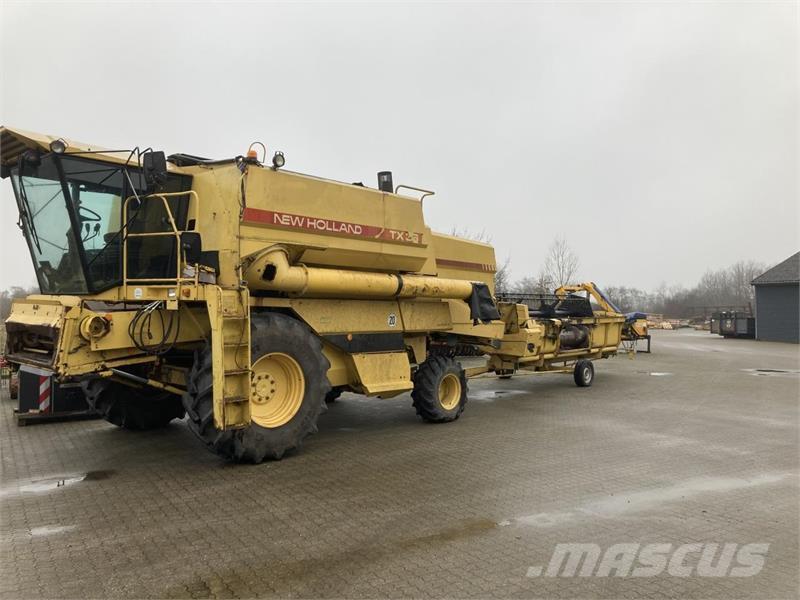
(71, 213)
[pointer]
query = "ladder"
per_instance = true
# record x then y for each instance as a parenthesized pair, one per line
(229, 315)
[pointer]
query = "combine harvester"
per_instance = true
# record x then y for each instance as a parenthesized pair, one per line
(244, 295)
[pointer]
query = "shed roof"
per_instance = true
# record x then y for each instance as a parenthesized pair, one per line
(786, 272)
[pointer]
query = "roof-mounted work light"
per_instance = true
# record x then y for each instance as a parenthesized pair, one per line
(58, 146)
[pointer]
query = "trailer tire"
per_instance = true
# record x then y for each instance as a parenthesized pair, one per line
(271, 333)
(132, 408)
(583, 373)
(440, 389)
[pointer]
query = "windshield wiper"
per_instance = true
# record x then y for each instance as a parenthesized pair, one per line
(25, 214)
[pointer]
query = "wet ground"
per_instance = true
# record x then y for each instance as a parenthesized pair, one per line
(696, 443)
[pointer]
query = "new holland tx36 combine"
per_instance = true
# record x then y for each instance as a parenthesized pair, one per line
(245, 296)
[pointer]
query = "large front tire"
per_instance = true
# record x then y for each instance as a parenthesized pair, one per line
(284, 352)
(132, 408)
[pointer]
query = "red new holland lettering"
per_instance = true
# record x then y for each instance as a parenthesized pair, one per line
(329, 226)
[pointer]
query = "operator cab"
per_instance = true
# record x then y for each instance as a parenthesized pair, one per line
(71, 212)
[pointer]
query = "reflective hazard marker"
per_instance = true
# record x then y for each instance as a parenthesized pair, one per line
(44, 393)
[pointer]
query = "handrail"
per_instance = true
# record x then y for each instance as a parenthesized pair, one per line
(175, 232)
(425, 193)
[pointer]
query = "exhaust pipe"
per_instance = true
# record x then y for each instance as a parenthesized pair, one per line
(385, 183)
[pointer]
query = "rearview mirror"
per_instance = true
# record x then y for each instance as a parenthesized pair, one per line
(154, 165)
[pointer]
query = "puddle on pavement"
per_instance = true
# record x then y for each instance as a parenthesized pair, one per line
(45, 485)
(490, 395)
(22, 535)
(618, 504)
(545, 519)
(54, 483)
(648, 498)
(655, 373)
(98, 475)
(773, 372)
(465, 529)
(51, 530)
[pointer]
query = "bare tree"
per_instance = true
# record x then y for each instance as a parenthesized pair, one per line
(716, 290)
(526, 285)
(544, 284)
(541, 284)
(561, 263)
(741, 274)
(502, 277)
(480, 236)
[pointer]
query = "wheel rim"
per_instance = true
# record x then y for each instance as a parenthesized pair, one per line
(587, 374)
(449, 391)
(277, 390)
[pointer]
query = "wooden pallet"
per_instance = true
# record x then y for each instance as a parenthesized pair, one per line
(26, 418)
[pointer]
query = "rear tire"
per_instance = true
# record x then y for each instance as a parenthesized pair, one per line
(132, 408)
(583, 373)
(271, 333)
(440, 390)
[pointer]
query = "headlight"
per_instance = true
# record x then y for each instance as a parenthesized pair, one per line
(58, 146)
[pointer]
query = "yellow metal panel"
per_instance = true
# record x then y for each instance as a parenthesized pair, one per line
(349, 221)
(347, 316)
(419, 347)
(36, 313)
(387, 372)
(458, 258)
(431, 315)
(192, 327)
(219, 190)
(339, 372)
(327, 316)
(462, 323)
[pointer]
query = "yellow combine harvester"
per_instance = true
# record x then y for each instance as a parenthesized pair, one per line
(245, 295)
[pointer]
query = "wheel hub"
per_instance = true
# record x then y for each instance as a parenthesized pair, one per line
(277, 389)
(449, 391)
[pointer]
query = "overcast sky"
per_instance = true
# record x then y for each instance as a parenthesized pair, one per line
(661, 139)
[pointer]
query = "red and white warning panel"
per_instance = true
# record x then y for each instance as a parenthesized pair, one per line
(41, 397)
(44, 393)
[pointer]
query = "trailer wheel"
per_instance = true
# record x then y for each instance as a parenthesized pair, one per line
(132, 408)
(583, 373)
(440, 389)
(289, 384)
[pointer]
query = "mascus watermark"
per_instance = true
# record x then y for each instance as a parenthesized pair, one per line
(650, 560)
